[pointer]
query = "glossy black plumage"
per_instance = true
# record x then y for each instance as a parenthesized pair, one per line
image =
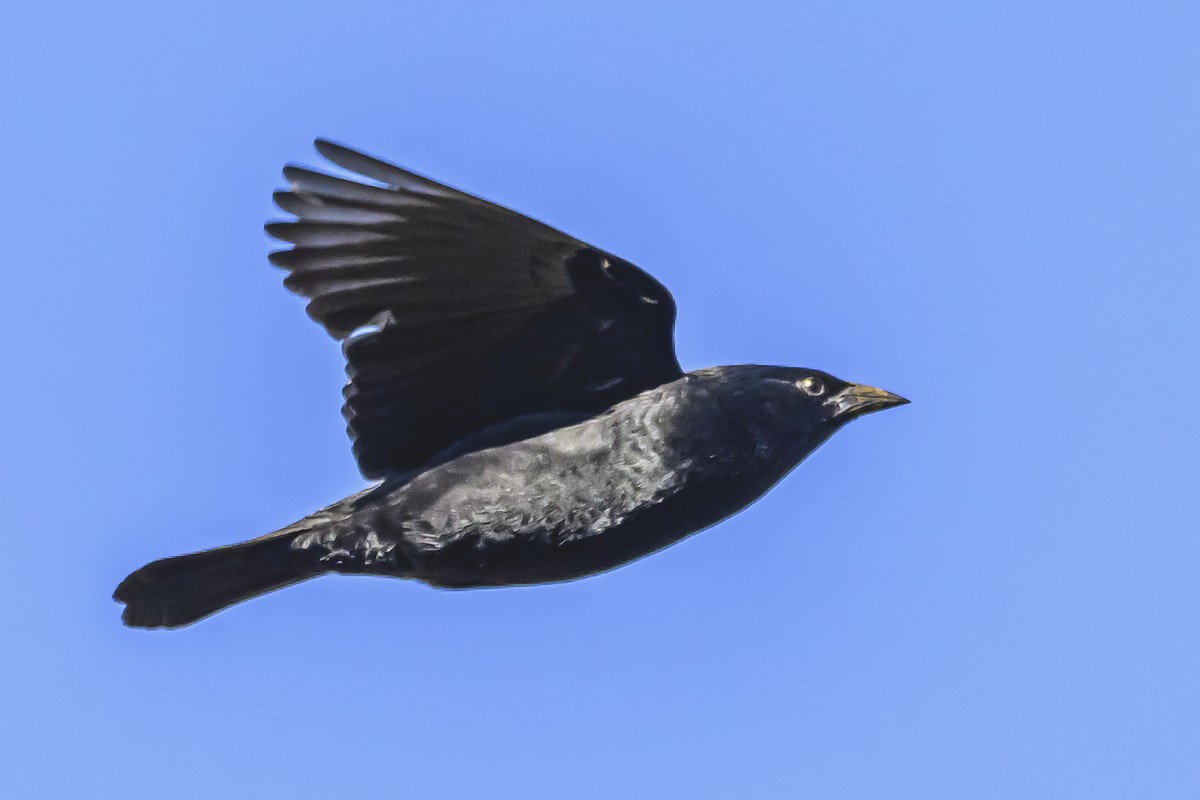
(483, 314)
(516, 390)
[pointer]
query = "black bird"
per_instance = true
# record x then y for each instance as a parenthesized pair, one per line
(517, 395)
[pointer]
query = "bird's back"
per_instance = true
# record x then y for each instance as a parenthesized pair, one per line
(576, 500)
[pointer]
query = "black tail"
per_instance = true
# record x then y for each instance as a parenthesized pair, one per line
(178, 591)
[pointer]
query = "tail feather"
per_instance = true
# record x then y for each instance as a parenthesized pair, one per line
(174, 592)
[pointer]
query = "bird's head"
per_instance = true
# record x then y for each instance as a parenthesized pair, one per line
(792, 410)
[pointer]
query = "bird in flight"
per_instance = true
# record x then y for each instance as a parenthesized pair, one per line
(516, 396)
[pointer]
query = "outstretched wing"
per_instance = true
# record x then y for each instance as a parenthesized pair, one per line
(457, 313)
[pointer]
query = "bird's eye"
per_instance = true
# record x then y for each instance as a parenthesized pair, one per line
(811, 386)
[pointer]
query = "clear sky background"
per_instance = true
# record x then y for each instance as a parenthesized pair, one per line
(991, 208)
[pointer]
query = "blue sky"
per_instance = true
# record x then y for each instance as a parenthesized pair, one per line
(992, 209)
